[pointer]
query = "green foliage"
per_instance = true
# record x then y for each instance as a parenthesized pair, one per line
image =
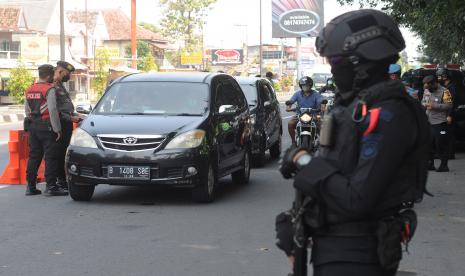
(147, 64)
(20, 80)
(440, 24)
(277, 86)
(145, 59)
(286, 83)
(150, 27)
(102, 61)
(183, 20)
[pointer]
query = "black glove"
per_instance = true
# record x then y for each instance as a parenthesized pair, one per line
(287, 166)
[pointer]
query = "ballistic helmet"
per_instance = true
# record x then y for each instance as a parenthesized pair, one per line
(443, 72)
(364, 34)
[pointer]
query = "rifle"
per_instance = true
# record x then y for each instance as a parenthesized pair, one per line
(300, 236)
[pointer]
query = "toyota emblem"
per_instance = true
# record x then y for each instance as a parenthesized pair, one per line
(130, 140)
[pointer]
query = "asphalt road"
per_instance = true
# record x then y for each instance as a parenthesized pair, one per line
(149, 231)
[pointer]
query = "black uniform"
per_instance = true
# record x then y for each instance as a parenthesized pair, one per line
(66, 110)
(364, 178)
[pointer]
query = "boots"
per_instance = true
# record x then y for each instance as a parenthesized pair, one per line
(443, 167)
(431, 165)
(54, 190)
(62, 184)
(32, 190)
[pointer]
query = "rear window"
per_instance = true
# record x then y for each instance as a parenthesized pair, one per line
(321, 77)
(155, 98)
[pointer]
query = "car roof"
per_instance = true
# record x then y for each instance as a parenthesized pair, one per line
(248, 80)
(194, 77)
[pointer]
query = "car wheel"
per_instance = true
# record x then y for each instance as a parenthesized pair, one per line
(80, 192)
(275, 150)
(260, 158)
(242, 176)
(205, 190)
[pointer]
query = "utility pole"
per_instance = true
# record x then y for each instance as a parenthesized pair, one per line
(298, 57)
(261, 40)
(86, 41)
(62, 30)
(133, 34)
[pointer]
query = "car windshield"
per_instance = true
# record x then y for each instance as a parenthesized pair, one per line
(320, 77)
(250, 92)
(155, 98)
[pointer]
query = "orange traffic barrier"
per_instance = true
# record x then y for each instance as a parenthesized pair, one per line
(15, 172)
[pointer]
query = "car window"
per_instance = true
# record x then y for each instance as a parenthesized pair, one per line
(229, 93)
(167, 98)
(250, 92)
(266, 94)
(272, 94)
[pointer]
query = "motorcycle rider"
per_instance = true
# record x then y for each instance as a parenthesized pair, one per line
(306, 97)
(329, 87)
(370, 165)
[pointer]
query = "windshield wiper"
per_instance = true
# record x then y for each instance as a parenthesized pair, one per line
(185, 114)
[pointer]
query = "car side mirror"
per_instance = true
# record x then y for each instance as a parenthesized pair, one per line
(84, 108)
(227, 109)
(267, 103)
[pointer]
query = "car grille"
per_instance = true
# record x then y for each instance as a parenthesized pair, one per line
(174, 172)
(87, 171)
(131, 142)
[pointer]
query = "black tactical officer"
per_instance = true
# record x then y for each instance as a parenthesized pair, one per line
(43, 124)
(371, 164)
(66, 110)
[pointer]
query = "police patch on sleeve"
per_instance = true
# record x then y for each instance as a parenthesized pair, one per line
(370, 146)
(447, 96)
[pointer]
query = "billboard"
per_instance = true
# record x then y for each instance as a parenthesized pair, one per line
(34, 49)
(191, 58)
(296, 18)
(227, 56)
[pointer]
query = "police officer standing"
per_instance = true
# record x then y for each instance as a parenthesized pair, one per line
(372, 157)
(438, 103)
(66, 111)
(43, 125)
(444, 79)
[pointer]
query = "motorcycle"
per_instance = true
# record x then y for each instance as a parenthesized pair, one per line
(307, 134)
(328, 95)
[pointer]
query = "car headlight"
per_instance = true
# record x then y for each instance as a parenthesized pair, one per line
(187, 140)
(83, 139)
(305, 118)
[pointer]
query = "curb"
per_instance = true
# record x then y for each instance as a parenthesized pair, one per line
(12, 118)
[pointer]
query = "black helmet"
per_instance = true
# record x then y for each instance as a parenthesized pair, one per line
(305, 81)
(443, 72)
(367, 34)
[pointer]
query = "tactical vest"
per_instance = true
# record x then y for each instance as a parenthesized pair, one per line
(64, 104)
(36, 97)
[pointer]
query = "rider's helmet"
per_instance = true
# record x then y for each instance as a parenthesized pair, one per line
(330, 82)
(443, 73)
(305, 81)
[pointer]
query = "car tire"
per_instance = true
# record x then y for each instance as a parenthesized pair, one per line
(242, 176)
(205, 191)
(260, 158)
(80, 192)
(275, 150)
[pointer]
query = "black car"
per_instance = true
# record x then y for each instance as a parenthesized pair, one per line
(174, 129)
(266, 120)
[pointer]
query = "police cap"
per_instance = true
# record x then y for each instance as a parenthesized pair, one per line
(430, 79)
(66, 65)
(46, 70)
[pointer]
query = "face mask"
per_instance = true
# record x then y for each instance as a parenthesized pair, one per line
(306, 88)
(65, 78)
(343, 77)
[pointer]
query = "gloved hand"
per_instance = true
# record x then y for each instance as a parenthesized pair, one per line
(287, 166)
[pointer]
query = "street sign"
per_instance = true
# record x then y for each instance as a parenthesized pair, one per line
(191, 58)
(34, 49)
(302, 18)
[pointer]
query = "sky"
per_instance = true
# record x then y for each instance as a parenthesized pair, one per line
(231, 22)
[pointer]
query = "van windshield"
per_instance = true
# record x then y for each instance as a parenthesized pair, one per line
(155, 98)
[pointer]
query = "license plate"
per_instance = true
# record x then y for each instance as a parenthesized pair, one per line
(129, 172)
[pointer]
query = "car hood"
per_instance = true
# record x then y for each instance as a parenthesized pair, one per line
(139, 124)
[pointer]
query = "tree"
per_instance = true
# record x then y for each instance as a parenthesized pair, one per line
(183, 20)
(440, 24)
(149, 26)
(20, 80)
(102, 61)
(144, 56)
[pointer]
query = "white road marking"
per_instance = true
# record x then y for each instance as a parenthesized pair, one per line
(287, 117)
(3, 186)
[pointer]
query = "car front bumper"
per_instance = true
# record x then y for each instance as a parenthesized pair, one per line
(167, 167)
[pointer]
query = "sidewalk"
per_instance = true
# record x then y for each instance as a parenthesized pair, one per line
(11, 113)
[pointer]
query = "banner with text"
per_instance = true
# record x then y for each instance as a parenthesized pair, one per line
(297, 18)
(227, 56)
